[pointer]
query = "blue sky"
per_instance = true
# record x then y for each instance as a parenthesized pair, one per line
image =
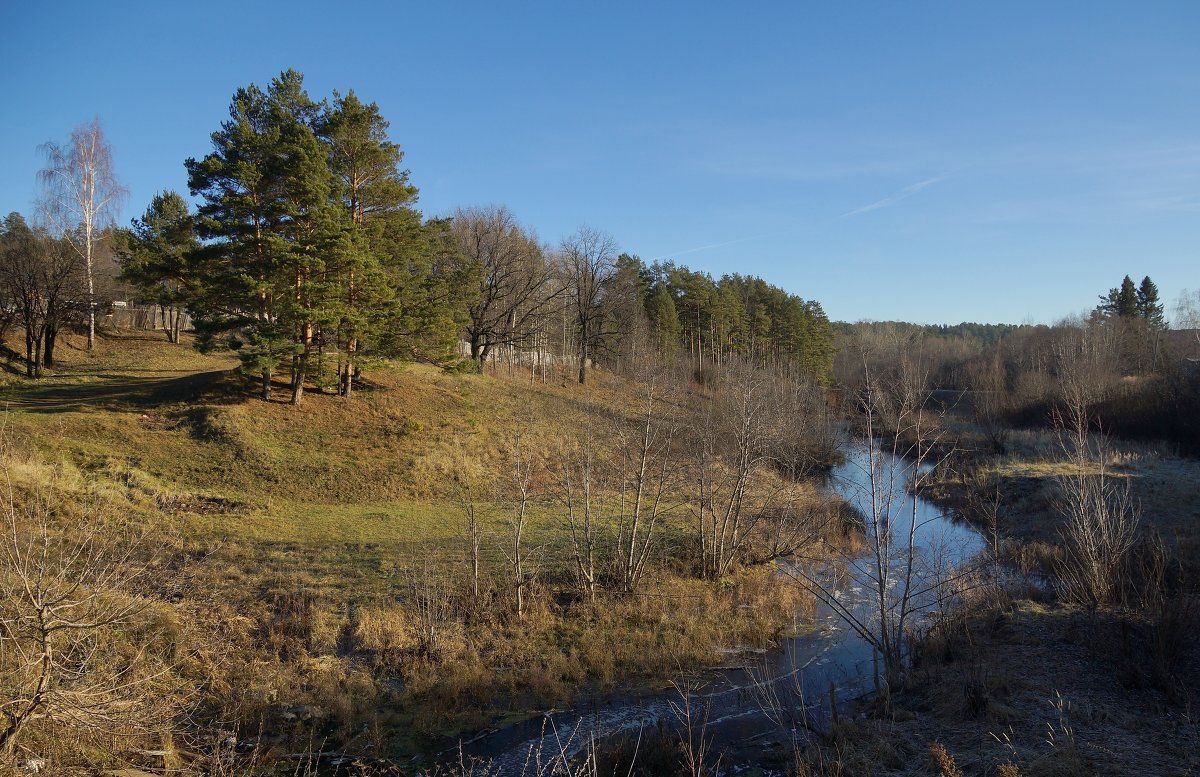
(925, 161)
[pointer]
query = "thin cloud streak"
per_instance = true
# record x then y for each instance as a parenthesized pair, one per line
(903, 194)
(698, 249)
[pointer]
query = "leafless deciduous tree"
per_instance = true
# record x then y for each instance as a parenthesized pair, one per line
(516, 284)
(745, 505)
(39, 278)
(730, 451)
(83, 196)
(473, 534)
(580, 488)
(648, 476)
(523, 463)
(589, 262)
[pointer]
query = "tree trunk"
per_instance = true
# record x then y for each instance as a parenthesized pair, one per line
(348, 377)
(31, 348)
(478, 353)
(170, 315)
(299, 363)
(583, 358)
(518, 561)
(51, 336)
(266, 384)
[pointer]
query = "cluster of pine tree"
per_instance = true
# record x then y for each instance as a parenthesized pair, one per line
(736, 315)
(306, 241)
(1134, 303)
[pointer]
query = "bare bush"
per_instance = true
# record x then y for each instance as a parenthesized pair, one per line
(1099, 531)
(429, 595)
(76, 655)
(1171, 612)
(746, 500)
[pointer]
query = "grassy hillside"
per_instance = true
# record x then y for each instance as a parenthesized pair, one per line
(299, 549)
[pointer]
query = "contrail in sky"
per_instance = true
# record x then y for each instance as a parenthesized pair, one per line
(904, 193)
(697, 249)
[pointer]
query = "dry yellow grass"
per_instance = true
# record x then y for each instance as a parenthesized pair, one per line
(297, 531)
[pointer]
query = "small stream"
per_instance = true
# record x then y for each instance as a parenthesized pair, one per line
(802, 674)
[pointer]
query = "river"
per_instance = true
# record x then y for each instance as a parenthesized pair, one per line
(796, 680)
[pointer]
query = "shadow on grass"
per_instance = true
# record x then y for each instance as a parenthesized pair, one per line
(114, 391)
(14, 362)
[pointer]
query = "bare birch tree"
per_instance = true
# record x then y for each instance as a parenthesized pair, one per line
(580, 489)
(523, 464)
(473, 534)
(83, 197)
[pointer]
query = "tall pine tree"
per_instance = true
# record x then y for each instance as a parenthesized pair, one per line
(272, 228)
(1121, 301)
(377, 196)
(1148, 305)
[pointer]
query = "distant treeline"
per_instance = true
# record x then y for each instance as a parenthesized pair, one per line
(985, 334)
(1120, 366)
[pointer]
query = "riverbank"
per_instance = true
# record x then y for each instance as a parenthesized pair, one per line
(1021, 688)
(1019, 682)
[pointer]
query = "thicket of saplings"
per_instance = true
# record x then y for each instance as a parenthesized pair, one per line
(666, 509)
(1138, 379)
